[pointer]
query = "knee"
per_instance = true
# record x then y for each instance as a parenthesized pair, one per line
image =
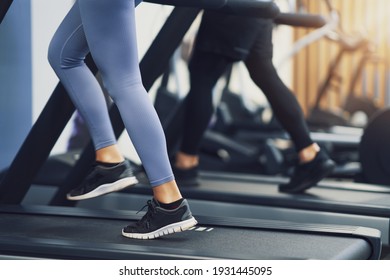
(260, 68)
(60, 57)
(118, 85)
(54, 56)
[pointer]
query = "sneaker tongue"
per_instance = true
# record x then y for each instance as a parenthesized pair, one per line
(155, 203)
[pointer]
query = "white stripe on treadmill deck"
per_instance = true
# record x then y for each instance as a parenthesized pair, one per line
(201, 229)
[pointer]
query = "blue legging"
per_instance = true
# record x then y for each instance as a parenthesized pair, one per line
(106, 28)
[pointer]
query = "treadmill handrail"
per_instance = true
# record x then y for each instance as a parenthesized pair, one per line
(301, 20)
(256, 8)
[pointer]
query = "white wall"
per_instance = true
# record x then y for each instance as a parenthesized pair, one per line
(15, 80)
(46, 16)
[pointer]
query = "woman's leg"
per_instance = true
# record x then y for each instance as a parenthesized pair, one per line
(67, 52)
(205, 69)
(282, 101)
(121, 76)
(109, 30)
(314, 164)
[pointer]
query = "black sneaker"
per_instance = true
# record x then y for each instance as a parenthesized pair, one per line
(159, 221)
(309, 174)
(186, 177)
(102, 180)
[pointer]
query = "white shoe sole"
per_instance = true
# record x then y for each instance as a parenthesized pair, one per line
(107, 188)
(169, 229)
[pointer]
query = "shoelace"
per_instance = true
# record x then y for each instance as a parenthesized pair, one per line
(145, 221)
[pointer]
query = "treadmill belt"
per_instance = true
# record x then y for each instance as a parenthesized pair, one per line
(91, 236)
(340, 197)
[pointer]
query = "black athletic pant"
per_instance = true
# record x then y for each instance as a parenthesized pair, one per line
(205, 70)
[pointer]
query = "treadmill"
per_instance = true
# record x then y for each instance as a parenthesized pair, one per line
(257, 197)
(57, 232)
(253, 196)
(75, 233)
(243, 195)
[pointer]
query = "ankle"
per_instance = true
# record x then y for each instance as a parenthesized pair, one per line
(172, 205)
(107, 164)
(309, 153)
(110, 154)
(167, 192)
(186, 161)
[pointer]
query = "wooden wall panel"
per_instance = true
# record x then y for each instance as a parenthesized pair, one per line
(367, 18)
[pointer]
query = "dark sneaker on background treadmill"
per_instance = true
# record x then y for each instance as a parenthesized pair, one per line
(104, 179)
(159, 221)
(186, 177)
(309, 174)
